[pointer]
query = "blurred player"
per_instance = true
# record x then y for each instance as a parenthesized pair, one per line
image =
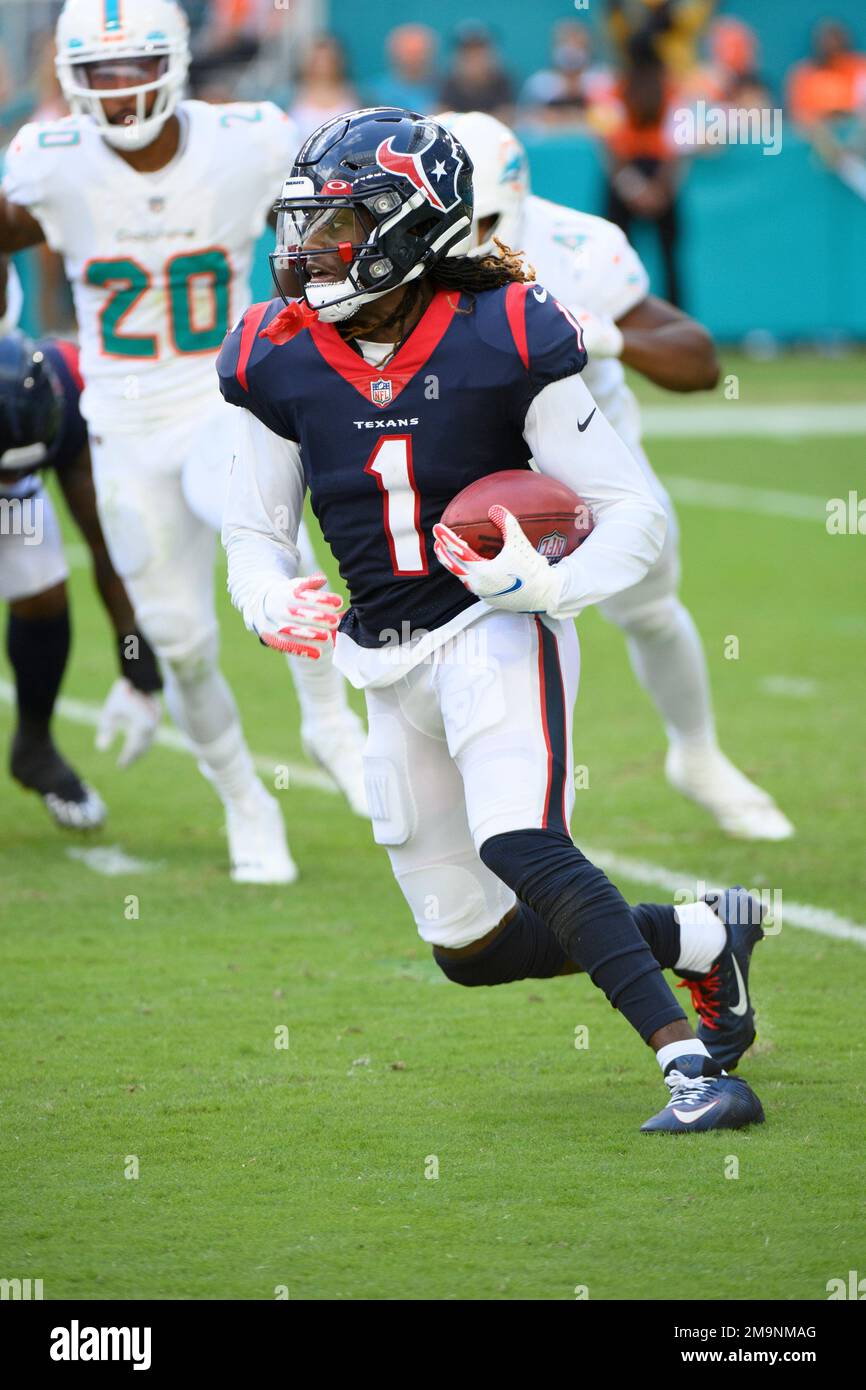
(590, 267)
(403, 374)
(156, 205)
(40, 428)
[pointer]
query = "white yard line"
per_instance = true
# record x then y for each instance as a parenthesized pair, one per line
(736, 497)
(736, 418)
(111, 861)
(817, 919)
(80, 712)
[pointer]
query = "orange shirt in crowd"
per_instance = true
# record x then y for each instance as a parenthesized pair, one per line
(838, 87)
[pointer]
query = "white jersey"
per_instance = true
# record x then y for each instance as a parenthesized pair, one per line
(159, 262)
(588, 263)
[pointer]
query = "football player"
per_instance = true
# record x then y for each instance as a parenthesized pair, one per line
(156, 204)
(592, 269)
(41, 427)
(406, 371)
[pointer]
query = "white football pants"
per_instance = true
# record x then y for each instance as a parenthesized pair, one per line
(474, 742)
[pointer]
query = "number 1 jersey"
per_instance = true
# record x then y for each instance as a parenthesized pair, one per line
(384, 449)
(158, 262)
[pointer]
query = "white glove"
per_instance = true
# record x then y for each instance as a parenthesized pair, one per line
(601, 337)
(518, 578)
(133, 715)
(300, 616)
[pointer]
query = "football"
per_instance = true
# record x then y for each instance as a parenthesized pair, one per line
(553, 517)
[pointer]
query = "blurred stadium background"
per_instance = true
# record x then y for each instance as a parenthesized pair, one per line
(766, 250)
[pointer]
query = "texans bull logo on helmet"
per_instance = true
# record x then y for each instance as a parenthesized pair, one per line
(413, 168)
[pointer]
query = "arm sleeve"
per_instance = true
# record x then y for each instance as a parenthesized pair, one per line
(629, 521)
(263, 511)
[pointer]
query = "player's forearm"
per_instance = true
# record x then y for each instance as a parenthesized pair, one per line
(679, 356)
(18, 229)
(255, 564)
(76, 484)
(262, 516)
(626, 541)
(595, 463)
(112, 594)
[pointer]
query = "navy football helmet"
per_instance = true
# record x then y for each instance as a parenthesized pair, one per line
(30, 406)
(375, 198)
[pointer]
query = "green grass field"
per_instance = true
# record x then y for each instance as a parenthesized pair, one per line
(307, 1167)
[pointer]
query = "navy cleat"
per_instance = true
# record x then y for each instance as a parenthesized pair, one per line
(703, 1098)
(721, 997)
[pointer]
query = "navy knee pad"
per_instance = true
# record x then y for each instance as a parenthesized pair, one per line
(524, 949)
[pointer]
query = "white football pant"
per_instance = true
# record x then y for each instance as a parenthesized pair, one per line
(474, 742)
(31, 549)
(664, 645)
(165, 555)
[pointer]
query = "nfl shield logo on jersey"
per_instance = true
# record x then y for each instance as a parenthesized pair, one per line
(552, 546)
(380, 391)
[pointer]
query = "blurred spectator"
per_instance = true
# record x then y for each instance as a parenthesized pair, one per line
(323, 88)
(567, 91)
(643, 176)
(730, 77)
(477, 81)
(410, 81)
(832, 82)
(665, 29)
(230, 37)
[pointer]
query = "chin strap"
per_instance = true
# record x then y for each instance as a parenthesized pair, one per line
(290, 321)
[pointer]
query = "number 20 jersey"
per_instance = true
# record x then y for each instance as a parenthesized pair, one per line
(158, 262)
(384, 450)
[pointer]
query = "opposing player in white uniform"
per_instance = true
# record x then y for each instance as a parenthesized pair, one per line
(590, 266)
(156, 205)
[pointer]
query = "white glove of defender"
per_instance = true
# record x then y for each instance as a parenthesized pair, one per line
(131, 714)
(518, 578)
(601, 337)
(300, 616)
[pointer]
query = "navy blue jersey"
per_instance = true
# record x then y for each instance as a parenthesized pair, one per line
(71, 435)
(385, 450)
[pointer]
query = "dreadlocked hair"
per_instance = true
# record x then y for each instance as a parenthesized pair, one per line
(488, 272)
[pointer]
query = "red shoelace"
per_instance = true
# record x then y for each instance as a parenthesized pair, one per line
(705, 996)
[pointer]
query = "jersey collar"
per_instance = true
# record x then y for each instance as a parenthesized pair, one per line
(415, 352)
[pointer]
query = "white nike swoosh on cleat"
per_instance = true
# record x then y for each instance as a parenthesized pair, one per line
(743, 1002)
(688, 1117)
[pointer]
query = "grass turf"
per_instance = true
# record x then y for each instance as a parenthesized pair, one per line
(262, 1167)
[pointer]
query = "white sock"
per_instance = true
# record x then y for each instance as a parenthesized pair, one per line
(668, 660)
(689, 1047)
(702, 937)
(226, 762)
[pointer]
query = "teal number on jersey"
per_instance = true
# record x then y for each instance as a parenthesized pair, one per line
(58, 139)
(180, 273)
(128, 281)
(250, 115)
